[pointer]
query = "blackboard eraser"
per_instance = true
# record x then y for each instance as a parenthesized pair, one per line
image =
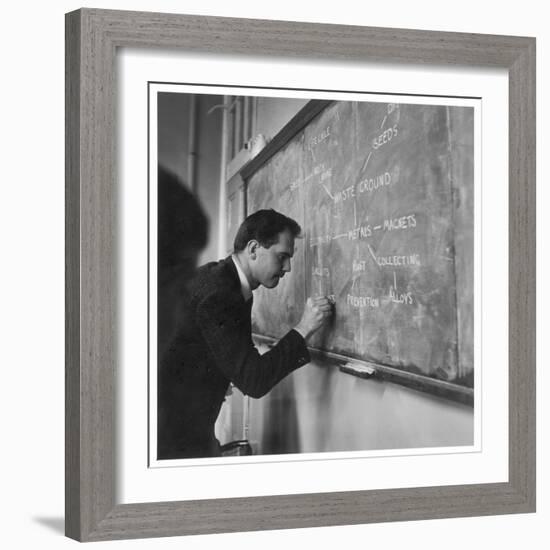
(358, 369)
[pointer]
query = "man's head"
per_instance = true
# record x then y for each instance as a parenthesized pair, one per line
(264, 245)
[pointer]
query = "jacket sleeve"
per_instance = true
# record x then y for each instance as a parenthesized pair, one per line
(225, 328)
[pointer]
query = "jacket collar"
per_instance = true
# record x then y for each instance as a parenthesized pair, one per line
(246, 291)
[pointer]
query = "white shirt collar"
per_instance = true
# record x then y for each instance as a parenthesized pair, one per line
(245, 285)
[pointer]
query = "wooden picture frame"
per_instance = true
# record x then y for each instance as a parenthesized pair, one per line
(92, 39)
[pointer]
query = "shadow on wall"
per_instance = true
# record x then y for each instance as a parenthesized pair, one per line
(280, 421)
(54, 524)
(182, 234)
(292, 407)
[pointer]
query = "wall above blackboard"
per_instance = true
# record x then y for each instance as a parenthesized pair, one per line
(384, 194)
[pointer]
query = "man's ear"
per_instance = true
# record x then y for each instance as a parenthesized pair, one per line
(252, 248)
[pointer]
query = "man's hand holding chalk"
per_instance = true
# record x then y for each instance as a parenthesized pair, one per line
(316, 314)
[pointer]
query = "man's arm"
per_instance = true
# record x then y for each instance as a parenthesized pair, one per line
(227, 335)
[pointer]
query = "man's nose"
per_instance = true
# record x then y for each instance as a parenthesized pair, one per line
(286, 266)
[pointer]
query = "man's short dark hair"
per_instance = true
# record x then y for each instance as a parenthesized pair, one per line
(264, 226)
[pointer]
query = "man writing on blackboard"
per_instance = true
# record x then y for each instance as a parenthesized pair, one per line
(215, 347)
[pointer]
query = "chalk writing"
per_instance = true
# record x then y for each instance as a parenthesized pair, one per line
(316, 241)
(368, 185)
(327, 174)
(321, 271)
(362, 301)
(319, 170)
(398, 298)
(392, 107)
(385, 137)
(359, 265)
(327, 190)
(345, 194)
(316, 140)
(371, 252)
(404, 222)
(364, 167)
(361, 232)
(398, 261)
(296, 184)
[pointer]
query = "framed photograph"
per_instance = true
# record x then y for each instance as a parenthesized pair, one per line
(403, 165)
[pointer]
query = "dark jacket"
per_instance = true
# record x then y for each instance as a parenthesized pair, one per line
(212, 349)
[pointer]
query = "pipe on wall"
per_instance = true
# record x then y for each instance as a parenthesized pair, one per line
(192, 144)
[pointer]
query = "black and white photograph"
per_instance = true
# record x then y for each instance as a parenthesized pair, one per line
(311, 273)
(271, 275)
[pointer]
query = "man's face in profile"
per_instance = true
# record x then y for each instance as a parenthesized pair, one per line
(273, 262)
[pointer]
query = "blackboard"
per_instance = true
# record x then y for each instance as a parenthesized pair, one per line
(384, 195)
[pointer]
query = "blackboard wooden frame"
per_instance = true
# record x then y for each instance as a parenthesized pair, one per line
(441, 388)
(92, 39)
